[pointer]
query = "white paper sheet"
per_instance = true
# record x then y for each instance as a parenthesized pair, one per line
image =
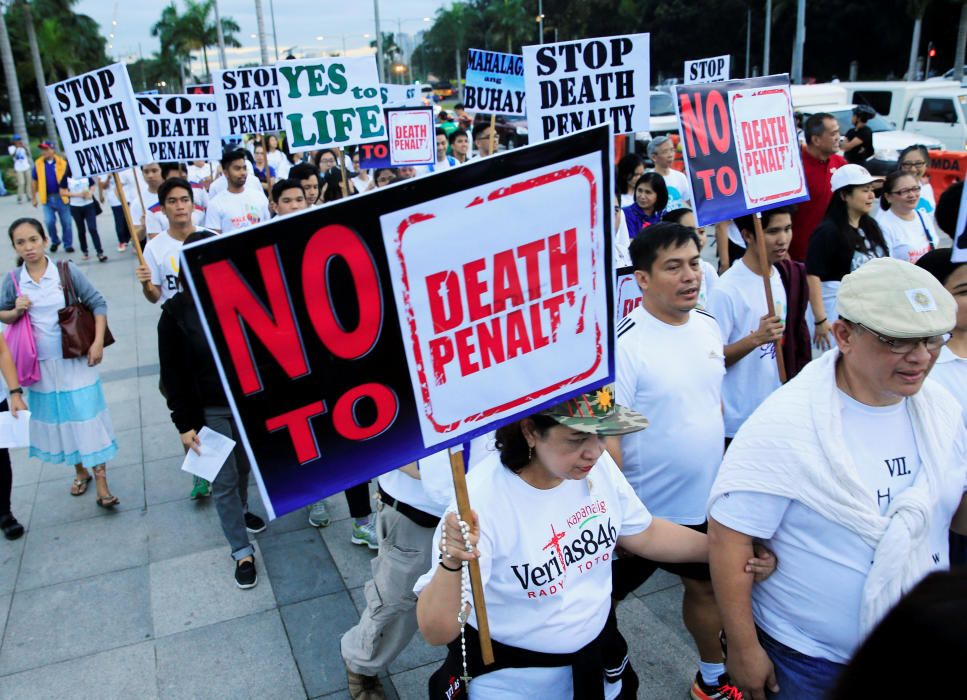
(15, 432)
(215, 449)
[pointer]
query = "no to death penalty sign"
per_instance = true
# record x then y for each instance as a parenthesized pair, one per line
(181, 127)
(98, 122)
(359, 337)
(740, 146)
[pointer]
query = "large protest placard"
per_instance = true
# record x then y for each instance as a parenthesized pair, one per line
(97, 120)
(576, 84)
(707, 70)
(740, 146)
(400, 95)
(412, 136)
(181, 127)
(331, 102)
(494, 82)
(627, 293)
(358, 337)
(247, 101)
(959, 253)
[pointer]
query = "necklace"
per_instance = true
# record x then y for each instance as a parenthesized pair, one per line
(464, 600)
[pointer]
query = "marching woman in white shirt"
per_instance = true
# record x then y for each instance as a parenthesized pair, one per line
(550, 508)
(69, 422)
(908, 231)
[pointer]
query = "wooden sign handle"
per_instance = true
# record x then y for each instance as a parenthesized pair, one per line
(476, 584)
(766, 269)
(127, 213)
(493, 132)
(342, 170)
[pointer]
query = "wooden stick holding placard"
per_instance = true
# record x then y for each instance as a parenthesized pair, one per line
(342, 170)
(476, 583)
(127, 215)
(493, 132)
(766, 269)
(144, 213)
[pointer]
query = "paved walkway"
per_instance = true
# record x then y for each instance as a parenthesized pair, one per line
(141, 603)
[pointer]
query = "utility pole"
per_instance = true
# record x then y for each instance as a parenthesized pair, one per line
(768, 38)
(275, 37)
(961, 42)
(263, 44)
(540, 21)
(39, 74)
(379, 42)
(748, 40)
(13, 85)
(221, 37)
(800, 42)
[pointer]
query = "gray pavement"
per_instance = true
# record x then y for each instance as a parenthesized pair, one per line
(141, 603)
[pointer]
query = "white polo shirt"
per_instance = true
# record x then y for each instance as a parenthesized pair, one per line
(46, 299)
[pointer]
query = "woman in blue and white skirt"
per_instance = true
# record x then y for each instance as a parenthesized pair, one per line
(69, 419)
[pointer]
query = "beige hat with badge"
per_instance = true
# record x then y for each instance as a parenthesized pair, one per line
(897, 299)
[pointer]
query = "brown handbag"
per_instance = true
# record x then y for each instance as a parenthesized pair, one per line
(75, 320)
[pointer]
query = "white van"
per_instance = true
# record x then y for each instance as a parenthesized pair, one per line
(887, 140)
(934, 109)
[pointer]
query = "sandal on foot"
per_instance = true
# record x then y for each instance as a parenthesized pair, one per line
(107, 501)
(79, 487)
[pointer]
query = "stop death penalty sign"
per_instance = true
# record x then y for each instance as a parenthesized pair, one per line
(576, 84)
(495, 82)
(181, 127)
(97, 120)
(331, 102)
(740, 146)
(247, 101)
(359, 337)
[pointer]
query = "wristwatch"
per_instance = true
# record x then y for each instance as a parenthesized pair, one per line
(17, 390)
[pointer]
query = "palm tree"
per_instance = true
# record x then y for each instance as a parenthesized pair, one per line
(509, 22)
(174, 42)
(56, 46)
(201, 32)
(13, 84)
(39, 72)
(916, 9)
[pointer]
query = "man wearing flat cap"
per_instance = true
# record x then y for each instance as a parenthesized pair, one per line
(852, 474)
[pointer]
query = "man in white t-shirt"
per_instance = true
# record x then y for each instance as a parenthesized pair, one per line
(852, 474)
(288, 197)
(669, 365)
(661, 150)
(236, 207)
(159, 275)
(750, 329)
(21, 167)
(155, 221)
(443, 161)
(148, 184)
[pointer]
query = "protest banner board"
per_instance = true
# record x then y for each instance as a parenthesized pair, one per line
(331, 102)
(400, 95)
(374, 155)
(707, 70)
(247, 101)
(494, 82)
(959, 253)
(97, 120)
(320, 323)
(572, 85)
(740, 146)
(180, 127)
(412, 135)
(627, 293)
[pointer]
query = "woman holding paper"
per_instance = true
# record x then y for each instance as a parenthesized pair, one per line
(196, 400)
(11, 528)
(70, 422)
(550, 507)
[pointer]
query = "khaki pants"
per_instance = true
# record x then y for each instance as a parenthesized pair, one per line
(23, 183)
(389, 620)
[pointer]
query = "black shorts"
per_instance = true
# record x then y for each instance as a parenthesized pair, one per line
(628, 572)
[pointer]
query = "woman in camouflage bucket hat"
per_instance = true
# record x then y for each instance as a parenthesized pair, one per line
(551, 505)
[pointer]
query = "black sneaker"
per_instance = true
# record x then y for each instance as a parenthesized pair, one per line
(12, 529)
(245, 575)
(722, 690)
(254, 523)
(54, 247)
(68, 249)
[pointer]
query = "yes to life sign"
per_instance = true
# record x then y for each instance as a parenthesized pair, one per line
(331, 102)
(97, 120)
(361, 336)
(707, 70)
(740, 146)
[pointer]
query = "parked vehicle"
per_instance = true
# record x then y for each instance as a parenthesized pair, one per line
(664, 119)
(934, 109)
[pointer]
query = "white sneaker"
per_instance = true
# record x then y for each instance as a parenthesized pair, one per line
(318, 515)
(366, 534)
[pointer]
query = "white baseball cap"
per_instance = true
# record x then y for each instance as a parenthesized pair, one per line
(852, 174)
